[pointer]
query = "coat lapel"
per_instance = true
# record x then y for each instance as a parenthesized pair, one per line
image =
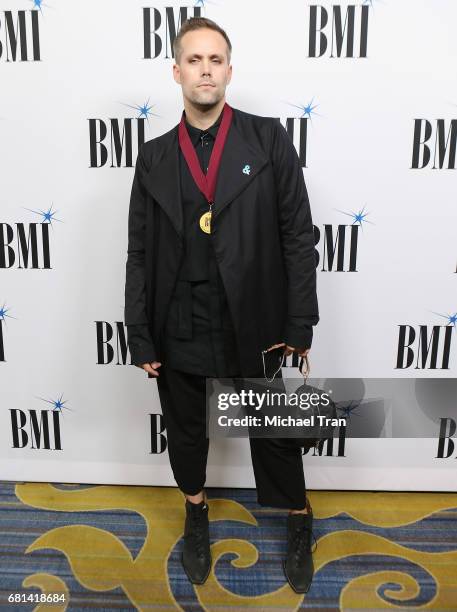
(163, 182)
(240, 163)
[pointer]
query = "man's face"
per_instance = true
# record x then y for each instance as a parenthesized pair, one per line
(203, 60)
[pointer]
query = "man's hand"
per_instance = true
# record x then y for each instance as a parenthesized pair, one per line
(151, 368)
(290, 349)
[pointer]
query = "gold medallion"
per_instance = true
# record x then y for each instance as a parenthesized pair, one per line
(205, 222)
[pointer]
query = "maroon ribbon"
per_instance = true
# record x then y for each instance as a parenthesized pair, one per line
(205, 182)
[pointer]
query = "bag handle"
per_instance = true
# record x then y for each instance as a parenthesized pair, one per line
(300, 366)
(281, 363)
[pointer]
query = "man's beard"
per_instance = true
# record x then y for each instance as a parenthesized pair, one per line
(205, 103)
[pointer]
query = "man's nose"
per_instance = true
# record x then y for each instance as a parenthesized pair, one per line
(206, 67)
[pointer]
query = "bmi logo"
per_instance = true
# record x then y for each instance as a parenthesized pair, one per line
(434, 144)
(340, 243)
(426, 346)
(298, 132)
(446, 446)
(27, 245)
(297, 128)
(24, 245)
(333, 447)
(338, 31)
(160, 27)
(37, 429)
(112, 140)
(111, 343)
(158, 437)
(20, 35)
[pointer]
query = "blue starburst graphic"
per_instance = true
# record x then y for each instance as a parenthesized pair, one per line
(451, 319)
(349, 410)
(48, 216)
(37, 4)
(307, 110)
(358, 217)
(144, 110)
(203, 3)
(58, 404)
(371, 3)
(3, 311)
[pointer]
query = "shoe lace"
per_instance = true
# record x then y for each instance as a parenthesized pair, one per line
(302, 542)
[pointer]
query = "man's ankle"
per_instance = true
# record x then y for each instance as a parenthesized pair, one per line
(197, 498)
(306, 510)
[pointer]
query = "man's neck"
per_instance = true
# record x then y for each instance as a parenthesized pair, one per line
(203, 119)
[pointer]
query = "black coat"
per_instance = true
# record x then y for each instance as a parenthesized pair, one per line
(261, 232)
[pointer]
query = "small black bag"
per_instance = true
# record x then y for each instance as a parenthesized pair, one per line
(322, 428)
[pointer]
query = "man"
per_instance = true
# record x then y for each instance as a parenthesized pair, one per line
(220, 266)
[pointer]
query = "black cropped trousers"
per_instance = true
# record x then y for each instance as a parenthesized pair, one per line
(277, 462)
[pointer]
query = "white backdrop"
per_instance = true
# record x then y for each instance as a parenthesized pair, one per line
(73, 411)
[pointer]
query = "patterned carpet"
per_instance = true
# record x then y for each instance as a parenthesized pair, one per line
(118, 548)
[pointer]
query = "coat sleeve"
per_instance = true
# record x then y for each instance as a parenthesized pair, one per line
(298, 333)
(297, 239)
(140, 343)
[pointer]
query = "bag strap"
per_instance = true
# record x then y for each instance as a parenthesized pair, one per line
(300, 367)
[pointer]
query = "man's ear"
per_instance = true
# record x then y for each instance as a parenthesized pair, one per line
(176, 73)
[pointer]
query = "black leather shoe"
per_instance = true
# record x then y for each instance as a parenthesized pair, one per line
(196, 555)
(298, 565)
